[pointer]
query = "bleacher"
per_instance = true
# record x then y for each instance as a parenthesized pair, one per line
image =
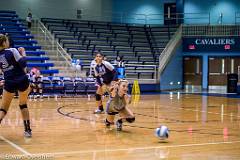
(11, 24)
(68, 85)
(160, 35)
(140, 45)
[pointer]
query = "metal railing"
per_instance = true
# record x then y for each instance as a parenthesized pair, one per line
(41, 29)
(211, 30)
(169, 50)
(135, 18)
(55, 46)
(193, 18)
(153, 68)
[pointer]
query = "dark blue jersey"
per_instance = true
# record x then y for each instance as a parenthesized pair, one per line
(105, 71)
(12, 64)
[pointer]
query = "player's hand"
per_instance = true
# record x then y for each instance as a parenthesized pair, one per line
(115, 84)
(21, 50)
(1, 82)
(129, 99)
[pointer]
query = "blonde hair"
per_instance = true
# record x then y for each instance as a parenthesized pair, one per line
(123, 80)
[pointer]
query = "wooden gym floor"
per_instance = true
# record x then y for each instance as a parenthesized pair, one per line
(201, 128)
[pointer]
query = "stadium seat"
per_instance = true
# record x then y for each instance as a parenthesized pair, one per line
(49, 71)
(37, 53)
(37, 58)
(80, 86)
(58, 86)
(69, 85)
(90, 85)
(47, 85)
(42, 65)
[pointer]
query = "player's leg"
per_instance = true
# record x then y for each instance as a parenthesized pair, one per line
(99, 101)
(40, 90)
(31, 90)
(110, 114)
(125, 115)
(6, 101)
(109, 119)
(34, 86)
(23, 96)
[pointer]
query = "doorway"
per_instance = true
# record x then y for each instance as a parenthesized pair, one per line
(219, 68)
(192, 71)
(170, 11)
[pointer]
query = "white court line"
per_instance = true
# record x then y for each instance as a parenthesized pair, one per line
(131, 149)
(15, 146)
(195, 110)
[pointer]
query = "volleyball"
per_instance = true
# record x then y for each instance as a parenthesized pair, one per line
(162, 132)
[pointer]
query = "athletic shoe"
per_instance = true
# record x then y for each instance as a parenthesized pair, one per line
(108, 124)
(98, 111)
(119, 126)
(28, 134)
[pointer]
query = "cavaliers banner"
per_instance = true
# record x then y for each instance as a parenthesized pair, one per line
(211, 44)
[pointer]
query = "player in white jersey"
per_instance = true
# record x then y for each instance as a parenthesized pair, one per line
(105, 74)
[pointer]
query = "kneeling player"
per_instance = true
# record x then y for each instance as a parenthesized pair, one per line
(117, 104)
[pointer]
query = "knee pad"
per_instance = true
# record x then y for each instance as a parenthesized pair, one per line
(130, 120)
(98, 97)
(3, 110)
(23, 106)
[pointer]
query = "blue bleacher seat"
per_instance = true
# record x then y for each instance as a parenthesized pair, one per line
(69, 85)
(26, 42)
(9, 19)
(22, 37)
(50, 71)
(29, 47)
(8, 23)
(90, 85)
(8, 11)
(12, 28)
(58, 86)
(14, 32)
(37, 58)
(40, 65)
(47, 85)
(8, 15)
(37, 53)
(80, 86)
